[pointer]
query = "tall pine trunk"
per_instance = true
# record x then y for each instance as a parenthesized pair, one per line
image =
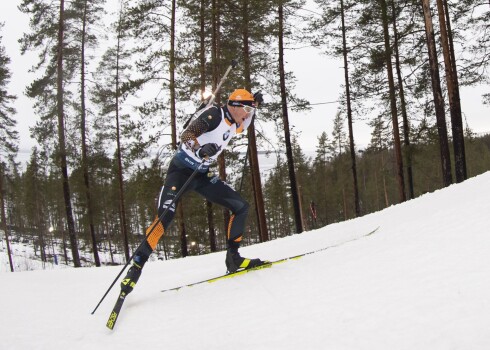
(215, 54)
(62, 142)
(403, 106)
(86, 178)
(4, 218)
(252, 141)
(394, 113)
(122, 207)
(287, 136)
(173, 125)
(202, 72)
(453, 91)
(349, 113)
(437, 93)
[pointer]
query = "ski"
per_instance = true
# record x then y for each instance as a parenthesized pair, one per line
(115, 311)
(111, 322)
(266, 264)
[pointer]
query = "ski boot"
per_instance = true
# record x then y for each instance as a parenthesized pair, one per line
(235, 262)
(140, 258)
(131, 278)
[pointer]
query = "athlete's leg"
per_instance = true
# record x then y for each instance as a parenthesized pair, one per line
(219, 192)
(176, 178)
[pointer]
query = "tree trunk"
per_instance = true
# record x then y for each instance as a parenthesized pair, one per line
(438, 99)
(344, 201)
(394, 112)
(183, 233)
(4, 219)
(202, 49)
(223, 176)
(39, 217)
(252, 141)
(287, 137)
(257, 184)
(86, 178)
(453, 91)
(202, 72)
(122, 207)
(212, 231)
(215, 53)
(403, 105)
(108, 233)
(173, 123)
(300, 196)
(349, 114)
(173, 118)
(62, 142)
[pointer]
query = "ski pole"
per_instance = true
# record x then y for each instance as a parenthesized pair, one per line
(160, 218)
(233, 64)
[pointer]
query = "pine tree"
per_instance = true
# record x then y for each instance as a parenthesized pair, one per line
(438, 97)
(89, 14)
(48, 37)
(446, 37)
(115, 83)
(8, 136)
(285, 119)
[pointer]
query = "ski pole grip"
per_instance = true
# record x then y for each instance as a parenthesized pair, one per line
(234, 63)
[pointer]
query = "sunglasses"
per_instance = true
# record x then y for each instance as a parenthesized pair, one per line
(248, 109)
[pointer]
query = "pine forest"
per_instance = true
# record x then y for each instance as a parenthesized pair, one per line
(116, 81)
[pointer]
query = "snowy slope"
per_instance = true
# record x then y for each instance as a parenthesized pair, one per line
(422, 281)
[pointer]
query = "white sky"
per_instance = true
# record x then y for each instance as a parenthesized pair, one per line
(319, 79)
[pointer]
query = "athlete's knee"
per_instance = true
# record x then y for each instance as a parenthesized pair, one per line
(242, 208)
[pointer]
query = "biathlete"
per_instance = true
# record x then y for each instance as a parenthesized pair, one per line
(201, 143)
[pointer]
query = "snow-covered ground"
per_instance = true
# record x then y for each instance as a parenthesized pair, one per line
(422, 281)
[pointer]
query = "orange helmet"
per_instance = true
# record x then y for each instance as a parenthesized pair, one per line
(241, 97)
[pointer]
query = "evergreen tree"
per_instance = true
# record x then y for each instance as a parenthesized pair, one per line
(437, 93)
(8, 137)
(88, 13)
(48, 36)
(113, 88)
(339, 137)
(321, 172)
(285, 118)
(8, 134)
(446, 37)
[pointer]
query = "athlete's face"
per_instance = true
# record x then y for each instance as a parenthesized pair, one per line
(242, 113)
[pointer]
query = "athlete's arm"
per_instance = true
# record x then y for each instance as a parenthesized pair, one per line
(207, 121)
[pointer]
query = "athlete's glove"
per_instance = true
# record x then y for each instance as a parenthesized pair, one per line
(207, 150)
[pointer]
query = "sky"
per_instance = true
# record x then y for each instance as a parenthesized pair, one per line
(319, 79)
(419, 282)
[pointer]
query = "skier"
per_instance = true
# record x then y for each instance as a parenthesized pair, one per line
(201, 143)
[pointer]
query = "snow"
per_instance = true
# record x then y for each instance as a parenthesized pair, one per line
(421, 281)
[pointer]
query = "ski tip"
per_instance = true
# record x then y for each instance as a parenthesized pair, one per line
(112, 320)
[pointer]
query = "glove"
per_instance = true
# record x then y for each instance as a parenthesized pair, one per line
(258, 98)
(207, 150)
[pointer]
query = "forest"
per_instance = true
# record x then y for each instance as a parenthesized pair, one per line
(88, 192)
